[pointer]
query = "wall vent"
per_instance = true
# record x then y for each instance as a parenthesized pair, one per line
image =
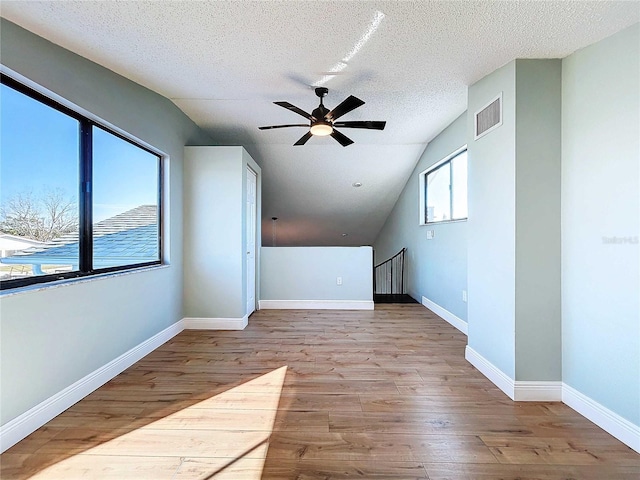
(489, 117)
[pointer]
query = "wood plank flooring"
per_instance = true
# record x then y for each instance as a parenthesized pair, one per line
(382, 394)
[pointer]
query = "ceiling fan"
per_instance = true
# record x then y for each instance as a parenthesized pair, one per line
(323, 122)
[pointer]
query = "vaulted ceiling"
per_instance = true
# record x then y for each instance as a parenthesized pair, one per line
(223, 63)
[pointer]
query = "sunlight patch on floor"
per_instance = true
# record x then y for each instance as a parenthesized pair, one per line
(223, 437)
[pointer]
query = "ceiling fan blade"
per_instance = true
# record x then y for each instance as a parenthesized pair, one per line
(284, 126)
(342, 139)
(350, 103)
(295, 109)
(373, 125)
(304, 139)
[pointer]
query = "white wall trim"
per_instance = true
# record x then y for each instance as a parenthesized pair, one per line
(23, 425)
(18, 428)
(611, 422)
(555, 391)
(537, 391)
(316, 304)
(192, 323)
(517, 390)
(489, 370)
(446, 315)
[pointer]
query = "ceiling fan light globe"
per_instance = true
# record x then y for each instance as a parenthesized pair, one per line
(321, 129)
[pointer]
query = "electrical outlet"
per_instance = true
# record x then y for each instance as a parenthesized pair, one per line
(339, 281)
(430, 234)
(464, 296)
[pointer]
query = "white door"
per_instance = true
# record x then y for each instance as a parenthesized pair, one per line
(251, 240)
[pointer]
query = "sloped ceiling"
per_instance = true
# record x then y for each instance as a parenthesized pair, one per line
(224, 63)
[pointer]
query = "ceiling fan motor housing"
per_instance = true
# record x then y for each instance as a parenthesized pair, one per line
(320, 113)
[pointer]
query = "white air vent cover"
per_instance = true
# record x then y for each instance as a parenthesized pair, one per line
(489, 117)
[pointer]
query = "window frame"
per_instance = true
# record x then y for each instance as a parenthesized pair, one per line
(422, 185)
(85, 198)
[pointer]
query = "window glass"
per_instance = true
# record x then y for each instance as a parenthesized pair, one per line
(438, 195)
(459, 186)
(444, 190)
(39, 185)
(76, 199)
(125, 202)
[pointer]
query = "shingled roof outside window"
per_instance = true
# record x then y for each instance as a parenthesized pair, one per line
(126, 239)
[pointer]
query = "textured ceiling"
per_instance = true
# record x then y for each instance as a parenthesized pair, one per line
(224, 63)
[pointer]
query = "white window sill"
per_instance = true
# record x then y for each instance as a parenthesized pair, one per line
(443, 222)
(75, 281)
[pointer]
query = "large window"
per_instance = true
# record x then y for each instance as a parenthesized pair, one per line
(443, 190)
(75, 198)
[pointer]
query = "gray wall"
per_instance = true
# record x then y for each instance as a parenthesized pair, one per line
(537, 177)
(600, 200)
(53, 337)
(310, 273)
(437, 268)
(215, 247)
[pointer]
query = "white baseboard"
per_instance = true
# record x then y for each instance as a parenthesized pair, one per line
(537, 391)
(446, 315)
(611, 422)
(316, 304)
(489, 370)
(545, 391)
(191, 323)
(18, 428)
(520, 391)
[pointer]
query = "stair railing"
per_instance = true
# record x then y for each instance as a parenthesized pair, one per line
(388, 276)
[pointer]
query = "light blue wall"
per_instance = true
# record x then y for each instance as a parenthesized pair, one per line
(600, 200)
(491, 225)
(436, 268)
(54, 337)
(514, 223)
(215, 248)
(310, 273)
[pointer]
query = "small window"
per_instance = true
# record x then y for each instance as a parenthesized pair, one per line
(443, 190)
(76, 199)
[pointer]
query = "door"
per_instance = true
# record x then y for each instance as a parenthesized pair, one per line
(251, 240)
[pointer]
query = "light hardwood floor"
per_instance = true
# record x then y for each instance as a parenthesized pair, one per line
(384, 394)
